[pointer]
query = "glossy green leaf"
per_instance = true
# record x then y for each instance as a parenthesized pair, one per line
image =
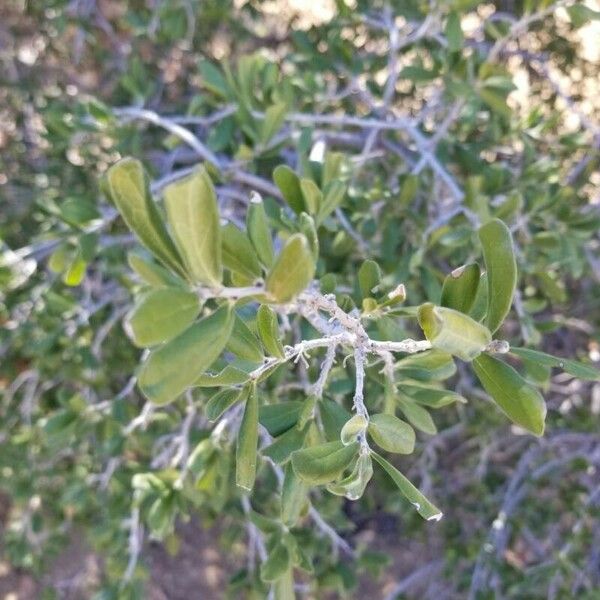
(258, 231)
(501, 268)
(160, 315)
(392, 434)
(424, 507)
(268, 330)
(177, 364)
(333, 197)
(152, 273)
(130, 192)
(432, 365)
(352, 428)
(521, 403)
(238, 253)
(289, 184)
(453, 332)
(272, 122)
(460, 288)
(243, 343)
(193, 215)
(321, 464)
(247, 443)
(577, 369)
(293, 270)
(221, 401)
(312, 195)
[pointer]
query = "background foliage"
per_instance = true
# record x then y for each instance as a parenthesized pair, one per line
(435, 117)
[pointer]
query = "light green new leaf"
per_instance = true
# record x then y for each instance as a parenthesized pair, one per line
(289, 184)
(243, 343)
(324, 463)
(577, 369)
(152, 273)
(294, 494)
(424, 507)
(177, 364)
(369, 277)
(221, 401)
(160, 315)
(353, 426)
(193, 215)
(258, 231)
(460, 288)
(521, 403)
(268, 330)
(129, 190)
(353, 486)
(432, 365)
(392, 434)
(313, 197)
(307, 226)
(293, 270)
(230, 375)
(501, 268)
(332, 199)
(247, 443)
(238, 254)
(453, 332)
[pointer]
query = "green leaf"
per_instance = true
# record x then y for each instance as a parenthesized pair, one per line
(243, 343)
(289, 184)
(501, 268)
(521, 403)
(369, 277)
(221, 401)
(129, 190)
(432, 365)
(268, 330)
(176, 365)
(496, 101)
(294, 494)
(313, 197)
(433, 397)
(230, 375)
(290, 441)
(454, 33)
(352, 428)
(460, 288)
(274, 118)
(277, 418)
(307, 226)
(392, 434)
(160, 315)
(193, 215)
(453, 332)
(324, 463)
(353, 486)
(418, 417)
(424, 507)
(577, 369)
(277, 563)
(334, 417)
(333, 197)
(247, 443)
(293, 270)
(75, 272)
(238, 254)
(152, 273)
(258, 231)
(283, 588)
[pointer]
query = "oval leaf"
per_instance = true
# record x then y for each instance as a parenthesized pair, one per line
(247, 443)
(521, 403)
(238, 254)
(176, 365)
(501, 268)
(243, 342)
(289, 184)
(268, 330)
(293, 270)
(258, 231)
(577, 369)
(354, 426)
(392, 434)
(193, 214)
(460, 288)
(160, 315)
